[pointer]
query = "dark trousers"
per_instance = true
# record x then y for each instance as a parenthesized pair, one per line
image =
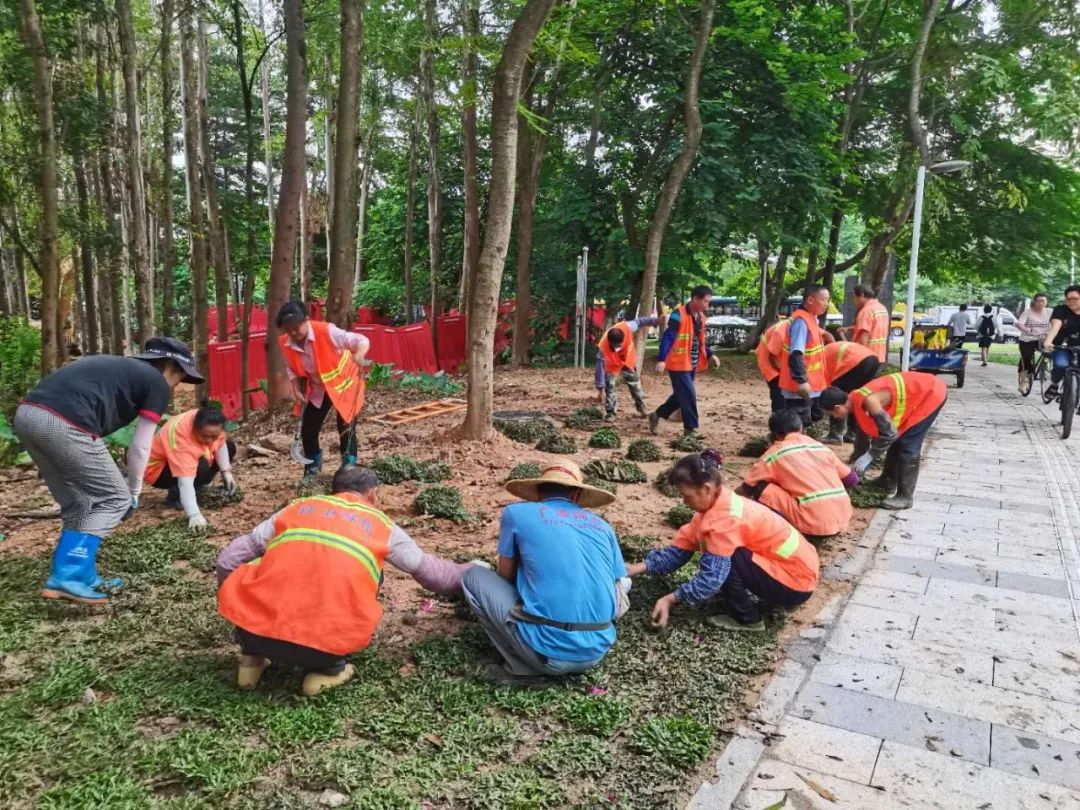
(311, 422)
(1028, 348)
(859, 376)
(808, 411)
(776, 399)
(204, 473)
(910, 442)
(683, 398)
(288, 654)
(744, 579)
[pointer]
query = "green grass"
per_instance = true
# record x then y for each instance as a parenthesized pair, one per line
(135, 707)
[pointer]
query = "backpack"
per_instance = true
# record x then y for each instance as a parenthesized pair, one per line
(986, 326)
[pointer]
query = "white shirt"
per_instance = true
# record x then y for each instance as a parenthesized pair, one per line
(958, 324)
(1034, 325)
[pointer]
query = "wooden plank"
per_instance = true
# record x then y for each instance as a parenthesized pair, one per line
(417, 412)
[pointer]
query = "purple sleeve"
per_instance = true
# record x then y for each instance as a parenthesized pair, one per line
(850, 480)
(601, 374)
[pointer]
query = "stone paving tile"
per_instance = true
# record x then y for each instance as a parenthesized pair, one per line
(1059, 633)
(828, 749)
(1038, 567)
(1032, 584)
(967, 593)
(936, 496)
(865, 619)
(924, 779)
(905, 549)
(930, 568)
(946, 659)
(1035, 756)
(894, 581)
(1060, 682)
(895, 720)
(857, 674)
(999, 643)
(992, 704)
(926, 608)
(774, 782)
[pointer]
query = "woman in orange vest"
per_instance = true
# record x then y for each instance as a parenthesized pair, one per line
(802, 362)
(801, 479)
(893, 415)
(683, 353)
(767, 353)
(747, 550)
(872, 322)
(618, 357)
(302, 588)
(328, 361)
(186, 454)
(848, 365)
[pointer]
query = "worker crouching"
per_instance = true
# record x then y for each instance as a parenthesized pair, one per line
(750, 555)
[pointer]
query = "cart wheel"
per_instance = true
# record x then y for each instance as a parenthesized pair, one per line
(960, 379)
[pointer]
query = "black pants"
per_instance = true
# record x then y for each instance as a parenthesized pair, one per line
(311, 422)
(745, 579)
(204, 473)
(288, 654)
(683, 398)
(776, 399)
(809, 412)
(910, 442)
(859, 376)
(1028, 349)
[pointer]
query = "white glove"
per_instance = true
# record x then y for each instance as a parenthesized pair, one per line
(230, 482)
(862, 463)
(196, 523)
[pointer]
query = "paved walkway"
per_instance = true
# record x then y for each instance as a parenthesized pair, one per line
(950, 678)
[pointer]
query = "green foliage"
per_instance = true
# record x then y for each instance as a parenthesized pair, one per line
(618, 472)
(9, 445)
(584, 418)
(526, 431)
(636, 546)
(682, 741)
(526, 469)
(867, 495)
(394, 468)
(557, 443)
(20, 362)
(380, 375)
(442, 502)
(439, 384)
(643, 450)
(600, 483)
(755, 447)
(594, 714)
(217, 497)
(688, 443)
(679, 515)
(605, 438)
(665, 486)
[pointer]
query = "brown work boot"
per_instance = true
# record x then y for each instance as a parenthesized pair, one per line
(316, 682)
(250, 671)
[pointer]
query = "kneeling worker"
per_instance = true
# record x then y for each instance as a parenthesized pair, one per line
(801, 479)
(767, 353)
(893, 413)
(618, 356)
(848, 366)
(302, 588)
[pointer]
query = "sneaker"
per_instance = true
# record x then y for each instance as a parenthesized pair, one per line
(654, 423)
(1024, 381)
(984, 364)
(316, 682)
(640, 408)
(499, 675)
(725, 622)
(609, 417)
(1051, 393)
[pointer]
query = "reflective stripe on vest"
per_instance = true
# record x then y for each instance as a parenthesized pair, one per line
(798, 448)
(735, 508)
(789, 546)
(336, 541)
(326, 376)
(821, 493)
(899, 401)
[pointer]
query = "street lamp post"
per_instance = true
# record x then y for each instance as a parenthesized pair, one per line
(945, 167)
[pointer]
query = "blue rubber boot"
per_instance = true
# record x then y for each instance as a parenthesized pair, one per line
(312, 470)
(348, 459)
(72, 576)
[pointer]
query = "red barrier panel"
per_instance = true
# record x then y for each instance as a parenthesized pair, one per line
(385, 346)
(224, 373)
(452, 332)
(233, 318)
(418, 352)
(257, 367)
(317, 309)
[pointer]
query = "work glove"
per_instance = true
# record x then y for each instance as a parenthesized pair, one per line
(886, 434)
(196, 523)
(228, 482)
(131, 509)
(862, 463)
(804, 390)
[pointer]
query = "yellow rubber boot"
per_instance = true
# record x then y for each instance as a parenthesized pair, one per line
(250, 671)
(316, 682)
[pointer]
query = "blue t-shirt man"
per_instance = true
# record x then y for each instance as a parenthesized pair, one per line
(568, 560)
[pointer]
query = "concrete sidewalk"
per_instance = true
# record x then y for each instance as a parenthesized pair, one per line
(950, 676)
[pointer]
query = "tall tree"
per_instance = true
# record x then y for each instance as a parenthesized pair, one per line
(427, 74)
(293, 178)
(86, 255)
(470, 26)
(264, 91)
(112, 279)
(138, 247)
(165, 178)
(339, 295)
(48, 262)
(410, 210)
(483, 305)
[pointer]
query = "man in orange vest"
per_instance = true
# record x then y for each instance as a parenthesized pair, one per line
(893, 414)
(802, 360)
(618, 357)
(328, 361)
(801, 479)
(848, 366)
(872, 322)
(302, 588)
(767, 353)
(683, 353)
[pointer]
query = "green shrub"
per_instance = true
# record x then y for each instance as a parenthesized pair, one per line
(600, 483)
(527, 469)
(444, 502)
(643, 450)
(682, 741)
(584, 418)
(662, 483)
(754, 447)
(439, 384)
(679, 515)
(20, 361)
(619, 472)
(605, 438)
(689, 443)
(596, 715)
(394, 468)
(526, 431)
(557, 443)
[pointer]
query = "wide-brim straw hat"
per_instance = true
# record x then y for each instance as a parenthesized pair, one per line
(564, 473)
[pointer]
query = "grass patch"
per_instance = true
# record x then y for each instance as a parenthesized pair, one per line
(679, 515)
(755, 447)
(393, 469)
(526, 431)
(635, 546)
(218, 497)
(527, 469)
(618, 472)
(868, 494)
(584, 418)
(442, 502)
(557, 443)
(605, 438)
(318, 485)
(600, 483)
(643, 450)
(688, 443)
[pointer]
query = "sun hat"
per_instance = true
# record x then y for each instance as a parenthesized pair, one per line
(564, 473)
(167, 348)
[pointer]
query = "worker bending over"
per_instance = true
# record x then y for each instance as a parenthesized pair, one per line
(328, 361)
(801, 479)
(186, 455)
(302, 588)
(893, 414)
(618, 357)
(802, 359)
(848, 366)
(683, 353)
(747, 551)
(767, 353)
(872, 323)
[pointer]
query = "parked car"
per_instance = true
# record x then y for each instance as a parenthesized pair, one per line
(896, 322)
(1007, 333)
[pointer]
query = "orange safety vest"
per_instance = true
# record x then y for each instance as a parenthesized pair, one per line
(805, 484)
(873, 321)
(625, 357)
(735, 522)
(336, 370)
(678, 358)
(841, 357)
(768, 350)
(813, 355)
(176, 445)
(317, 582)
(914, 397)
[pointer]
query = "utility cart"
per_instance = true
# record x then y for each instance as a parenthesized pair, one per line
(931, 353)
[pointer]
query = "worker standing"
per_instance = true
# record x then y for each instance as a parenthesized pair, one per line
(893, 414)
(618, 357)
(61, 423)
(683, 353)
(848, 366)
(802, 359)
(328, 360)
(768, 352)
(871, 327)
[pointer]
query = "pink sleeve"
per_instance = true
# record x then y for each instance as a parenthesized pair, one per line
(352, 341)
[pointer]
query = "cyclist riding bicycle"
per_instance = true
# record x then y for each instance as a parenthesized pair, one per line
(1064, 332)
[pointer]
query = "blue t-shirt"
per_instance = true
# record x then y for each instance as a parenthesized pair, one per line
(568, 561)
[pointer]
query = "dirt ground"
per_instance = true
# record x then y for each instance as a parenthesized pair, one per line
(733, 405)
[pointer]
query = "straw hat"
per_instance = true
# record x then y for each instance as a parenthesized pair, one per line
(564, 473)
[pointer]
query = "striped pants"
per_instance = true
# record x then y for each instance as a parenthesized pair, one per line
(78, 470)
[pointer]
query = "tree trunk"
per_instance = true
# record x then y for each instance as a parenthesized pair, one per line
(48, 257)
(292, 180)
(770, 307)
(329, 122)
(137, 230)
(470, 23)
(165, 199)
(427, 71)
(670, 192)
(22, 289)
(484, 295)
(526, 189)
(307, 238)
(89, 293)
(264, 89)
(361, 221)
(193, 165)
(6, 292)
(410, 211)
(342, 244)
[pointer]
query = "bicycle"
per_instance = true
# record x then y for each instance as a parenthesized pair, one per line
(1038, 373)
(1069, 395)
